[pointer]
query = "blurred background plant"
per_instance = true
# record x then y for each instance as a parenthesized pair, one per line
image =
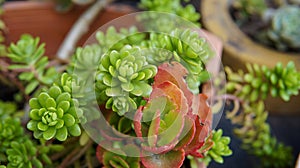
(273, 23)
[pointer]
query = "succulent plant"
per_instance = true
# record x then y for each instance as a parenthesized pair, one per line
(113, 160)
(284, 31)
(23, 155)
(113, 40)
(256, 138)
(27, 55)
(251, 88)
(86, 60)
(53, 113)
(187, 48)
(123, 75)
(167, 126)
(172, 6)
(261, 81)
(11, 130)
(7, 109)
(250, 7)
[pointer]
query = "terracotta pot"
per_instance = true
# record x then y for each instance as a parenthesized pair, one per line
(239, 49)
(41, 19)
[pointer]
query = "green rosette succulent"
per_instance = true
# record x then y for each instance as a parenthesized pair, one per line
(284, 31)
(85, 60)
(28, 56)
(185, 47)
(122, 76)
(23, 155)
(10, 130)
(53, 113)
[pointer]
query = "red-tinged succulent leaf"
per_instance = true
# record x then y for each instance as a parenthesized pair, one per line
(137, 122)
(99, 153)
(175, 94)
(204, 112)
(153, 130)
(197, 154)
(157, 150)
(174, 73)
(198, 140)
(187, 134)
(172, 159)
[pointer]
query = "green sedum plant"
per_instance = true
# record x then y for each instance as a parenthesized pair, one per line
(23, 155)
(183, 46)
(250, 7)
(284, 31)
(172, 6)
(53, 113)
(129, 79)
(261, 81)
(219, 149)
(28, 59)
(250, 89)
(122, 74)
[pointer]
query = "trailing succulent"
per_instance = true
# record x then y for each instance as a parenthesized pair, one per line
(260, 81)
(250, 89)
(53, 113)
(284, 30)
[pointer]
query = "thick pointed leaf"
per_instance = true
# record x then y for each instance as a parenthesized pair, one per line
(31, 86)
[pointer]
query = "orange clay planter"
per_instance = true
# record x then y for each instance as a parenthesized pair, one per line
(40, 19)
(240, 49)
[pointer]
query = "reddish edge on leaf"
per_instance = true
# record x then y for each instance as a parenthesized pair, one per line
(172, 159)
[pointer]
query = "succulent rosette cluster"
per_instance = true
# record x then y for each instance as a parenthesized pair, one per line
(172, 124)
(53, 113)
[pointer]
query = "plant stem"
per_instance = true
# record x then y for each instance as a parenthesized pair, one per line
(75, 155)
(80, 27)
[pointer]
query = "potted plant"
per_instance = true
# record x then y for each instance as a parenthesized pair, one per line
(124, 92)
(240, 48)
